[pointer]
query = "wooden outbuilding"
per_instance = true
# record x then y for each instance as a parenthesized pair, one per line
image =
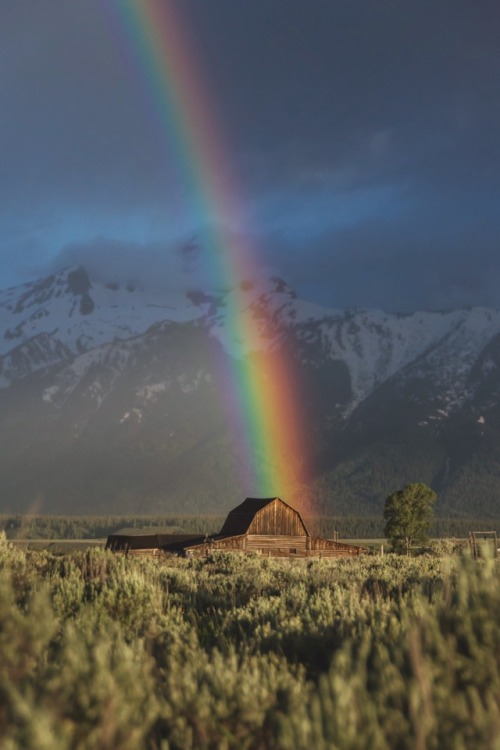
(268, 527)
(151, 544)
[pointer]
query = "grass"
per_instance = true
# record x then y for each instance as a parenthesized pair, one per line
(102, 651)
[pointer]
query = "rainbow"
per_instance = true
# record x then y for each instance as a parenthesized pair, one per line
(265, 396)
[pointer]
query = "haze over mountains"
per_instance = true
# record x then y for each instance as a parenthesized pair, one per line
(110, 401)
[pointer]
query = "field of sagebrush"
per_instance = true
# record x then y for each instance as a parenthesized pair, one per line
(107, 652)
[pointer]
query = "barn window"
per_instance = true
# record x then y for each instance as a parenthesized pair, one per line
(293, 550)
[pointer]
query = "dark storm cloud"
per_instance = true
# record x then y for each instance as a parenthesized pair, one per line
(330, 77)
(383, 265)
(70, 121)
(365, 137)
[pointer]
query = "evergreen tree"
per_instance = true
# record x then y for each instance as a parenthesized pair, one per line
(408, 515)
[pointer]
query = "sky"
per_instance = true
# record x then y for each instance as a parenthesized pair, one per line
(364, 138)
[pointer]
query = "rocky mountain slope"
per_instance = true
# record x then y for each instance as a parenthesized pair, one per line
(109, 398)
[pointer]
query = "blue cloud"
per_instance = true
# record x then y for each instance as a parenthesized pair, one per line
(301, 217)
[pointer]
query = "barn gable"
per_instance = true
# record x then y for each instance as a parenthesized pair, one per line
(270, 516)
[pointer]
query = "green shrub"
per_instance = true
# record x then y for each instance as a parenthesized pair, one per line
(103, 651)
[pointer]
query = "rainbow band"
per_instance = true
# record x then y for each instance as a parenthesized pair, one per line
(264, 393)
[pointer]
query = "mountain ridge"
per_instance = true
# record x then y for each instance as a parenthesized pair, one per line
(391, 398)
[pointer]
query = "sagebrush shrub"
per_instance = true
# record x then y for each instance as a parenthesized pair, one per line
(103, 651)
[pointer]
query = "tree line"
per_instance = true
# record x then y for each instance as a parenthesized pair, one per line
(99, 527)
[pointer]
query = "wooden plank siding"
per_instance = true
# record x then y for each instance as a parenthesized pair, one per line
(279, 541)
(263, 516)
(151, 552)
(230, 542)
(319, 547)
(277, 518)
(278, 545)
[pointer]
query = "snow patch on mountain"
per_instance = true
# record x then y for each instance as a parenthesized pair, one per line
(82, 314)
(78, 326)
(151, 392)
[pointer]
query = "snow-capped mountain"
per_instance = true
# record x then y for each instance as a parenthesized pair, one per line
(66, 314)
(108, 393)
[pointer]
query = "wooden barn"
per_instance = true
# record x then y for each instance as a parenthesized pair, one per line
(268, 527)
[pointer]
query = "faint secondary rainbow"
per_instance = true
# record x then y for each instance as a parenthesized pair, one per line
(264, 394)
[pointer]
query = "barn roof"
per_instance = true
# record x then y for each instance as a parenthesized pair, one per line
(239, 519)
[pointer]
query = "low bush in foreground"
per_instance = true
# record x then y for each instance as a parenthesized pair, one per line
(102, 651)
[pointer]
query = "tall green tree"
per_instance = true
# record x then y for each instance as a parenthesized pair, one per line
(408, 515)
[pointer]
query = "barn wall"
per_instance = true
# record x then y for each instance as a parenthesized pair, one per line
(299, 546)
(329, 548)
(277, 518)
(153, 552)
(280, 541)
(232, 542)
(279, 545)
